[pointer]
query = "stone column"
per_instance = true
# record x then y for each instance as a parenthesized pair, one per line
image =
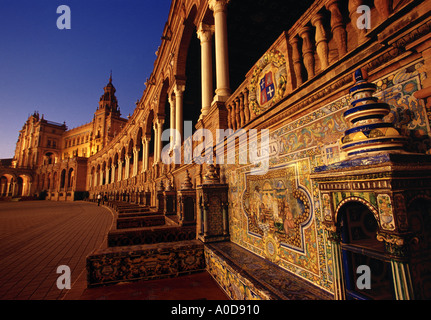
(146, 159)
(237, 113)
(337, 262)
(321, 40)
(156, 142)
(402, 281)
(337, 27)
(144, 141)
(297, 61)
(107, 175)
(14, 189)
(219, 7)
(3, 188)
(127, 167)
(307, 51)
(120, 170)
(135, 160)
(113, 173)
(229, 116)
(244, 107)
(66, 180)
(205, 219)
(29, 189)
(397, 247)
(179, 122)
(159, 125)
(172, 119)
(205, 33)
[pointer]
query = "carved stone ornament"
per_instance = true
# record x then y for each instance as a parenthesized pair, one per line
(187, 183)
(211, 176)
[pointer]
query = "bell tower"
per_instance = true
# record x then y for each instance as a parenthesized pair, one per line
(106, 118)
(108, 101)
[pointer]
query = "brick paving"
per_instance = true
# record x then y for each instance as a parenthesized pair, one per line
(38, 236)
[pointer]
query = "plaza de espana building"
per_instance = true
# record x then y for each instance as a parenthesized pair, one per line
(340, 93)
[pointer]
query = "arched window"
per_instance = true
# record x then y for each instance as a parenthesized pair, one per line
(71, 177)
(63, 178)
(360, 247)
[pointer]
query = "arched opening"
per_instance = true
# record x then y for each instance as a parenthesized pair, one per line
(98, 173)
(19, 186)
(360, 247)
(123, 163)
(115, 174)
(91, 178)
(419, 217)
(55, 181)
(3, 186)
(43, 182)
(131, 154)
(71, 178)
(103, 173)
(140, 148)
(49, 158)
(62, 178)
(48, 182)
(193, 94)
(109, 171)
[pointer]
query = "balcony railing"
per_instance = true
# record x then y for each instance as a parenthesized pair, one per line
(318, 41)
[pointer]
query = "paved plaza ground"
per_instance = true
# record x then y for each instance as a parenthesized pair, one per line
(38, 236)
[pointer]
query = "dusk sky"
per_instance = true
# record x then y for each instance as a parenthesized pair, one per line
(61, 73)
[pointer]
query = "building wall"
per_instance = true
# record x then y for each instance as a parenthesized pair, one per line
(279, 215)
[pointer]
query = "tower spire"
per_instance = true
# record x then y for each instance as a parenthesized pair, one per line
(110, 77)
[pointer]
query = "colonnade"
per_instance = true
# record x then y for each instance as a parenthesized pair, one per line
(175, 94)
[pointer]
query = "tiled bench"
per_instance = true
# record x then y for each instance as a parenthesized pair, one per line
(144, 262)
(245, 276)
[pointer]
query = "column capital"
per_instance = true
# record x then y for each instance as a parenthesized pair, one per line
(218, 5)
(171, 100)
(159, 120)
(205, 32)
(179, 88)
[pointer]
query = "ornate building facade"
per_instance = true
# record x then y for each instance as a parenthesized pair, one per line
(339, 90)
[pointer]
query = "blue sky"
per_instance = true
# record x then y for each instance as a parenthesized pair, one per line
(61, 73)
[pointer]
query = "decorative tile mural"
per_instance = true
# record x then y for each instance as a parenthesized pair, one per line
(279, 215)
(276, 206)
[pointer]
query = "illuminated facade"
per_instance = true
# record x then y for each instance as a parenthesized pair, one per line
(348, 182)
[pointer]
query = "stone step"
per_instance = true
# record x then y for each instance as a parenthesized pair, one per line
(144, 262)
(140, 221)
(138, 236)
(132, 209)
(139, 214)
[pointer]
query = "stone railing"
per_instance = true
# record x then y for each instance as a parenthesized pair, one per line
(320, 40)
